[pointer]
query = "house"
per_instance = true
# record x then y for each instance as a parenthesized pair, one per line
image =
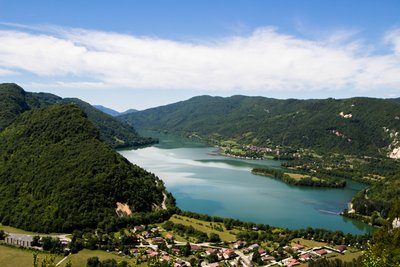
(267, 258)
(146, 234)
(176, 251)
(139, 228)
(254, 247)
(158, 241)
(291, 262)
(240, 244)
(229, 253)
(321, 252)
(135, 252)
(194, 248)
(153, 254)
(262, 252)
(341, 248)
(180, 263)
(297, 247)
(154, 230)
(169, 238)
(215, 264)
(19, 240)
(211, 251)
(165, 258)
(305, 257)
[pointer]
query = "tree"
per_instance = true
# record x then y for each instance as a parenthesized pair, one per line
(93, 262)
(214, 238)
(2, 235)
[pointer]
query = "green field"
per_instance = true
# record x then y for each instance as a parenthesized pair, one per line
(308, 243)
(80, 259)
(206, 227)
(16, 257)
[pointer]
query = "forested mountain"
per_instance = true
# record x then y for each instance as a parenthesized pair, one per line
(112, 112)
(57, 175)
(106, 110)
(14, 101)
(131, 110)
(364, 126)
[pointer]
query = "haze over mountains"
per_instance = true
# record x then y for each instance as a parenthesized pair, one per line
(363, 126)
(113, 112)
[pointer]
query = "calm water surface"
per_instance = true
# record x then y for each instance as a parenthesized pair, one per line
(205, 182)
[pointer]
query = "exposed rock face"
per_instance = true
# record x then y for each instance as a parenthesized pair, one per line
(395, 154)
(345, 116)
(396, 223)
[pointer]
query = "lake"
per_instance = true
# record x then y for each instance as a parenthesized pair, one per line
(203, 181)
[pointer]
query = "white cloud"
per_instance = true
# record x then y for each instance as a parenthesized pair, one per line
(5, 72)
(264, 60)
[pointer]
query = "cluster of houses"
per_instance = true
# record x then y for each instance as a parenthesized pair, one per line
(305, 255)
(240, 254)
(154, 246)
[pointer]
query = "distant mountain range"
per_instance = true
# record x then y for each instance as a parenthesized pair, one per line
(15, 101)
(112, 112)
(364, 126)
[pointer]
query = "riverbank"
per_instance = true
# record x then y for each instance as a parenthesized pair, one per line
(300, 179)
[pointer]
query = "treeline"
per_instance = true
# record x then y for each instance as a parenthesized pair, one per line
(95, 262)
(317, 180)
(323, 262)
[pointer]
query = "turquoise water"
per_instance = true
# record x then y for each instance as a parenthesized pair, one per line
(205, 182)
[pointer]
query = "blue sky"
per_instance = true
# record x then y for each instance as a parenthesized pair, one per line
(139, 54)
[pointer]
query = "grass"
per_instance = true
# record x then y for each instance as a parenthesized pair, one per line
(297, 176)
(14, 230)
(348, 256)
(206, 227)
(308, 243)
(80, 259)
(11, 257)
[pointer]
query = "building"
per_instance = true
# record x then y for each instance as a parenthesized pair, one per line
(229, 253)
(19, 240)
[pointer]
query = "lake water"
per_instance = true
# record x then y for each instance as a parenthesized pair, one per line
(205, 182)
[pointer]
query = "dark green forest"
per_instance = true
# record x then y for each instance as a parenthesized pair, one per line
(14, 101)
(57, 175)
(260, 121)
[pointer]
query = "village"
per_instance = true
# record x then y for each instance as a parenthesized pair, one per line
(155, 246)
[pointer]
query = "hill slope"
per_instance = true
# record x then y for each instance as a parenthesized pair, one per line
(14, 101)
(56, 174)
(106, 110)
(351, 126)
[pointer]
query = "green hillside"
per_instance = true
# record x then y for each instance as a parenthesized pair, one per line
(14, 101)
(352, 126)
(56, 175)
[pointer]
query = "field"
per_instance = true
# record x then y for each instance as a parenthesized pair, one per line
(80, 259)
(297, 176)
(12, 257)
(308, 243)
(206, 227)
